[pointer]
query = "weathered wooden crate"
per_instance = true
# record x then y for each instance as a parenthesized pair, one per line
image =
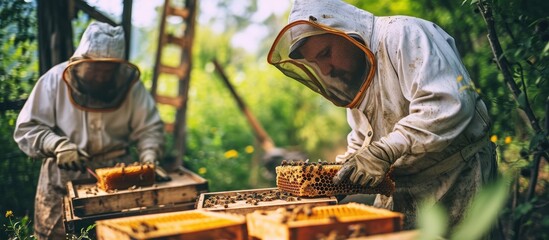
(193, 224)
(247, 201)
(83, 206)
(323, 222)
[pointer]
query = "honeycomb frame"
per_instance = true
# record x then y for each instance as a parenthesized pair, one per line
(305, 179)
(192, 224)
(124, 177)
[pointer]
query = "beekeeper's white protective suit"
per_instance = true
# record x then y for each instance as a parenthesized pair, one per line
(415, 112)
(86, 113)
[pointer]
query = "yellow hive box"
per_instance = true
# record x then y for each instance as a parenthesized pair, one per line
(339, 221)
(193, 224)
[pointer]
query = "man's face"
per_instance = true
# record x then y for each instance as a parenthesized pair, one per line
(96, 76)
(340, 59)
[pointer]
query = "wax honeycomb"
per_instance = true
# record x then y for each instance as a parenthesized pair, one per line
(315, 179)
(124, 177)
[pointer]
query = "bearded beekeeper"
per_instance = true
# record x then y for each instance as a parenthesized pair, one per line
(410, 102)
(83, 113)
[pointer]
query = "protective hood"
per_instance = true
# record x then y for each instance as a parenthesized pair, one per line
(311, 18)
(97, 75)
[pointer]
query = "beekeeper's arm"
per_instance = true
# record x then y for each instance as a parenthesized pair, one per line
(431, 78)
(147, 127)
(34, 127)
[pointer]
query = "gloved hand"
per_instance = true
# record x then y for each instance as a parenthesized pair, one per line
(148, 156)
(66, 153)
(366, 167)
(68, 156)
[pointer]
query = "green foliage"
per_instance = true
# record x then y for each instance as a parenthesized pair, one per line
(84, 234)
(432, 221)
(18, 228)
(18, 71)
(220, 143)
(17, 50)
(480, 218)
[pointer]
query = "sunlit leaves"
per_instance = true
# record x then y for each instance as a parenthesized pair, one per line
(482, 214)
(432, 221)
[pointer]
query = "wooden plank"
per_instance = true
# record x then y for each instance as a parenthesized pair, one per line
(74, 224)
(245, 206)
(177, 102)
(180, 41)
(169, 127)
(87, 199)
(181, 12)
(177, 71)
(402, 235)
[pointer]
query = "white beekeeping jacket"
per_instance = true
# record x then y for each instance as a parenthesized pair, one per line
(49, 108)
(420, 106)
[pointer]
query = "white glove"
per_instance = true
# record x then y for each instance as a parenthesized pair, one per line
(148, 156)
(68, 156)
(66, 153)
(366, 167)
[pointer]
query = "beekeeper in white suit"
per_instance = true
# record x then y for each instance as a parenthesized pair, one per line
(83, 113)
(409, 100)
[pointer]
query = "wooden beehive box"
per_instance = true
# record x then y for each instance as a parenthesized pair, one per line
(340, 221)
(247, 201)
(85, 203)
(192, 224)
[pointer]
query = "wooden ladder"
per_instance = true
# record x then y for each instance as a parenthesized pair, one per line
(173, 35)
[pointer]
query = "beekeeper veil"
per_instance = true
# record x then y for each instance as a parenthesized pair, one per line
(311, 18)
(97, 74)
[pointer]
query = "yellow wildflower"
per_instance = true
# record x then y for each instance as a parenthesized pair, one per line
(249, 149)
(507, 140)
(459, 78)
(9, 213)
(231, 154)
(494, 138)
(202, 171)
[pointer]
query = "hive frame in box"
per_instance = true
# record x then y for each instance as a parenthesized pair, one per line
(278, 225)
(193, 224)
(241, 207)
(82, 209)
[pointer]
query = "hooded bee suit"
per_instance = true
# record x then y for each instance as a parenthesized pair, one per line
(74, 103)
(415, 111)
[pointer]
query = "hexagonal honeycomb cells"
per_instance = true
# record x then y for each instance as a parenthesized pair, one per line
(193, 224)
(305, 179)
(306, 222)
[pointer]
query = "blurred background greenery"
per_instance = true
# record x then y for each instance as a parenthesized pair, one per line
(220, 143)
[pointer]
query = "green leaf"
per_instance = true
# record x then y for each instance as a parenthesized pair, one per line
(483, 212)
(546, 49)
(521, 99)
(432, 221)
(536, 140)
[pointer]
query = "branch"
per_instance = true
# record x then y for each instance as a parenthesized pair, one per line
(82, 5)
(503, 64)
